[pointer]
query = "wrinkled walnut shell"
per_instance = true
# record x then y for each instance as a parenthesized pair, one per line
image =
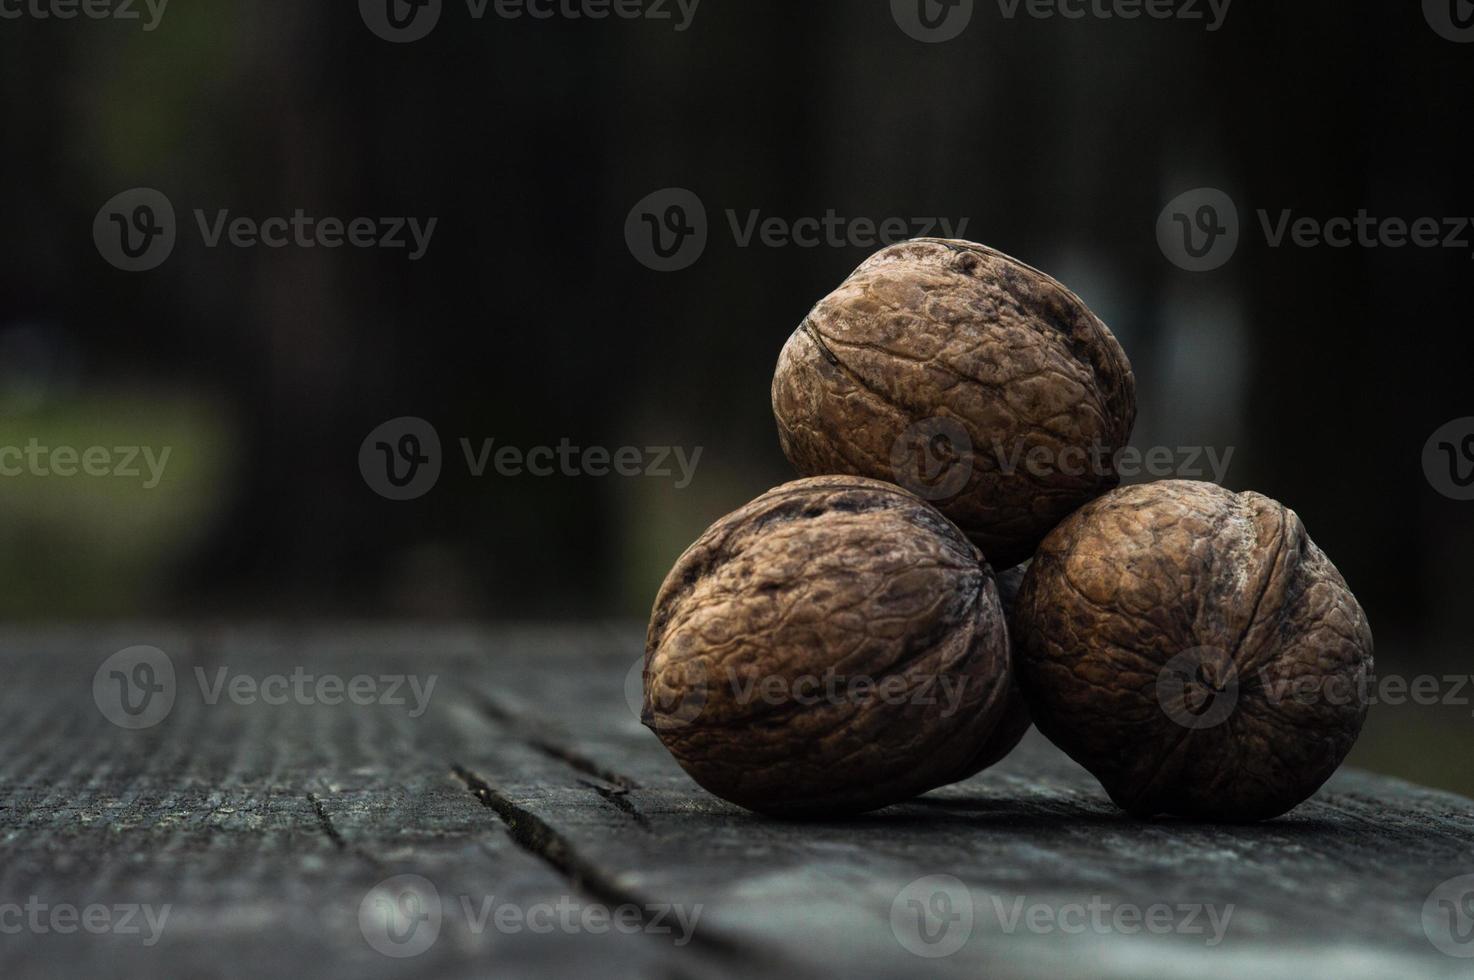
(1194, 650)
(967, 377)
(766, 624)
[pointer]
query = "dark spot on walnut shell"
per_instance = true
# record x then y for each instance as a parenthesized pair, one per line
(768, 622)
(1009, 583)
(1016, 720)
(1194, 650)
(942, 365)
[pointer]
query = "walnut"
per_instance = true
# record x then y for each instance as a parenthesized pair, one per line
(1194, 650)
(833, 647)
(971, 379)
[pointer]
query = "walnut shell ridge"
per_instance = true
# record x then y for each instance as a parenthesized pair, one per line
(1194, 650)
(942, 366)
(832, 647)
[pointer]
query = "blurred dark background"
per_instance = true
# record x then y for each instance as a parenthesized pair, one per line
(529, 320)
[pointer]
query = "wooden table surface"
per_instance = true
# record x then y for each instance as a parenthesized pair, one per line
(516, 820)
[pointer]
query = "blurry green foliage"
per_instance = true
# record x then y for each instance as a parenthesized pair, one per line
(89, 545)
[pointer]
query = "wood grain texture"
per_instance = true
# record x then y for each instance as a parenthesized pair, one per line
(528, 786)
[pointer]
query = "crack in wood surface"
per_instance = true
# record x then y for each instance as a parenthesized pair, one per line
(539, 838)
(618, 797)
(325, 823)
(535, 737)
(205, 812)
(333, 834)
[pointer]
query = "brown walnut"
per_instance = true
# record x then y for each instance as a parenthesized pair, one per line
(971, 379)
(1194, 650)
(835, 646)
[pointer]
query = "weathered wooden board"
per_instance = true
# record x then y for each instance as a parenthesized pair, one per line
(527, 789)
